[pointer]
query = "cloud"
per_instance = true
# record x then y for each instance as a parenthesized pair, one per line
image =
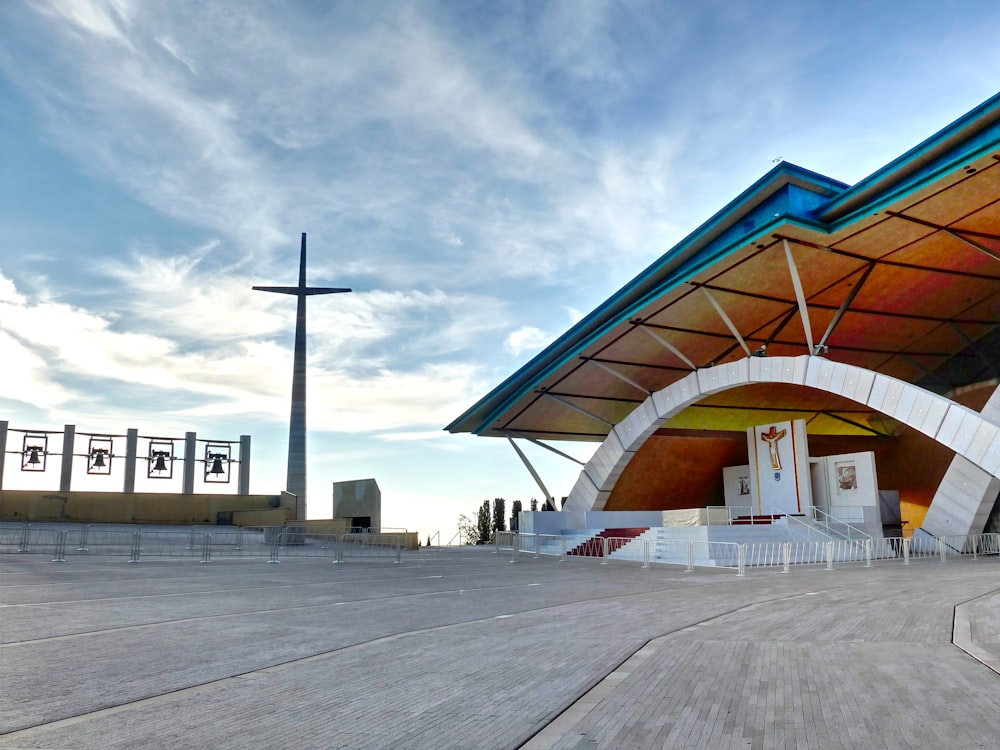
(526, 339)
(24, 375)
(420, 436)
(103, 20)
(57, 352)
(426, 160)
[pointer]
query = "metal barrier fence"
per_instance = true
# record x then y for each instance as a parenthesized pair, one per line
(731, 555)
(277, 543)
(206, 543)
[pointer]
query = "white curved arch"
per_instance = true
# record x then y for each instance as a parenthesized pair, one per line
(970, 434)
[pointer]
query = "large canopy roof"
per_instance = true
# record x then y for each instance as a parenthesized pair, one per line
(899, 274)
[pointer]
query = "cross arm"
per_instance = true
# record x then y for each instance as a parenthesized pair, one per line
(325, 290)
(308, 291)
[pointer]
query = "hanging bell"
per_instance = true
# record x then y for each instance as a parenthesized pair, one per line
(99, 459)
(161, 464)
(216, 466)
(33, 459)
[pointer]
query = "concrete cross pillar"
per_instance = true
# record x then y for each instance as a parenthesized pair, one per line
(66, 474)
(131, 454)
(3, 448)
(295, 480)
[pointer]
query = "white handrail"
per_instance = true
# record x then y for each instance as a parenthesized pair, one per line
(828, 517)
(809, 529)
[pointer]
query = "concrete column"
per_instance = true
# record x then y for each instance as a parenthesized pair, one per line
(131, 451)
(3, 447)
(295, 480)
(243, 487)
(66, 475)
(190, 461)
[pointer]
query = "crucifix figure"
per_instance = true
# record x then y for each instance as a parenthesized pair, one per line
(771, 437)
(295, 480)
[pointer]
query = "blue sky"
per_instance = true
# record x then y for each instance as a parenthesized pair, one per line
(480, 173)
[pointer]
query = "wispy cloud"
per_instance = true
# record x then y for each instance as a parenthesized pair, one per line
(54, 352)
(393, 127)
(482, 174)
(526, 338)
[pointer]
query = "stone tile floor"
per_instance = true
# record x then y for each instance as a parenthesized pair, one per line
(459, 648)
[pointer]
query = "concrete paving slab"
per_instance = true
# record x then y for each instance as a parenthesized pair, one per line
(460, 648)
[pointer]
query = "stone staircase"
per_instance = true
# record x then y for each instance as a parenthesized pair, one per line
(594, 546)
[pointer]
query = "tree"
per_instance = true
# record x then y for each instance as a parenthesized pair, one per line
(467, 532)
(499, 522)
(534, 504)
(515, 515)
(484, 526)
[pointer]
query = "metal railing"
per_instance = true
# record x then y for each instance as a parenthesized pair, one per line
(829, 521)
(504, 540)
(204, 542)
(744, 512)
(277, 543)
(733, 555)
(797, 526)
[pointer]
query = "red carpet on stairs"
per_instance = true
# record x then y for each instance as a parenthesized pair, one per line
(756, 520)
(617, 538)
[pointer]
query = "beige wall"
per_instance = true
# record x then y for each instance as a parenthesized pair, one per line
(146, 507)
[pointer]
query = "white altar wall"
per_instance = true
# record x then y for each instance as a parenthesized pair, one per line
(779, 467)
(852, 486)
(736, 486)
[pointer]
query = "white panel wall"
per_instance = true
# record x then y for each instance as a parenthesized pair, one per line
(958, 428)
(604, 460)
(963, 500)
(677, 396)
(610, 460)
(982, 439)
(965, 497)
(778, 369)
(624, 519)
(723, 377)
(686, 390)
(639, 425)
(602, 499)
(549, 522)
(583, 494)
(991, 459)
(927, 413)
(964, 431)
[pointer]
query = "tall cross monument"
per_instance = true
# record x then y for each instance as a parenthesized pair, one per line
(295, 481)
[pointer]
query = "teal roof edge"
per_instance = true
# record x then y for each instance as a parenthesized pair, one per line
(943, 145)
(646, 282)
(702, 247)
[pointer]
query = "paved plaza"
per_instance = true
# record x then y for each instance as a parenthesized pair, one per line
(460, 648)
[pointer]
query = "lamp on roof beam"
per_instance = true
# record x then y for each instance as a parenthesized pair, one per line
(34, 451)
(99, 455)
(762, 352)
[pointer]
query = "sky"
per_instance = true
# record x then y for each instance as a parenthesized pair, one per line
(481, 174)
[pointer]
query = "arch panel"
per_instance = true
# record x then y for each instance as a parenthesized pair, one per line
(972, 436)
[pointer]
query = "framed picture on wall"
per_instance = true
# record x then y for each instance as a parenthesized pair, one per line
(847, 477)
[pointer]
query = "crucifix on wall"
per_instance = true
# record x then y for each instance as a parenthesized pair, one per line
(771, 437)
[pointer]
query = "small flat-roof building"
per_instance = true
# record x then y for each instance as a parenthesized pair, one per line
(871, 311)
